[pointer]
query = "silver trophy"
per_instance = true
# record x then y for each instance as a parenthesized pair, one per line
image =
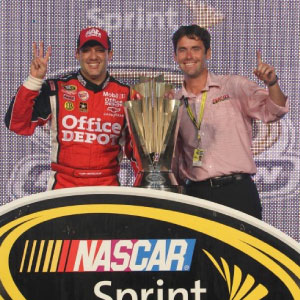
(152, 123)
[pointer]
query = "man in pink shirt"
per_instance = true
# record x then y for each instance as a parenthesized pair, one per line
(213, 157)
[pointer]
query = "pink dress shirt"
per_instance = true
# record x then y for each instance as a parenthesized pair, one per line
(226, 130)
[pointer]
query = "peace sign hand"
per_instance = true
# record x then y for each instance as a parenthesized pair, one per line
(264, 71)
(39, 63)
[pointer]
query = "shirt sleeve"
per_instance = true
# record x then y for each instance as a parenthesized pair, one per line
(28, 109)
(255, 101)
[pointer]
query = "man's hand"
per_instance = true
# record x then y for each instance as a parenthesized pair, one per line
(264, 71)
(39, 63)
(267, 73)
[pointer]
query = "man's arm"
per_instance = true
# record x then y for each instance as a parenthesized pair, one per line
(267, 74)
(31, 107)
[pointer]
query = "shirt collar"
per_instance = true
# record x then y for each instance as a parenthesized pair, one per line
(92, 86)
(212, 81)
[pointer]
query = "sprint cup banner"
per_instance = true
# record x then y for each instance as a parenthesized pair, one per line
(138, 244)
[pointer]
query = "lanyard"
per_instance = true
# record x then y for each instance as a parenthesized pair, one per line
(201, 111)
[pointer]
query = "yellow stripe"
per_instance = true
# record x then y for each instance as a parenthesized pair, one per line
(258, 293)
(55, 258)
(236, 281)
(48, 256)
(227, 274)
(215, 264)
(247, 285)
(38, 262)
(31, 256)
(23, 257)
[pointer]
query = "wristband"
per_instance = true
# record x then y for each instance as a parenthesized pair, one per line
(273, 82)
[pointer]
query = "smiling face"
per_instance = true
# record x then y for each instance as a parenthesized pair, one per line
(93, 62)
(191, 57)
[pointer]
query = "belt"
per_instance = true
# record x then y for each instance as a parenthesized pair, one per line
(83, 173)
(219, 181)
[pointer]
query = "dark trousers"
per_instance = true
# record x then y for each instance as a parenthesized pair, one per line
(241, 195)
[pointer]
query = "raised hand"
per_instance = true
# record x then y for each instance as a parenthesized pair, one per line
(39, 63)
(264, 71)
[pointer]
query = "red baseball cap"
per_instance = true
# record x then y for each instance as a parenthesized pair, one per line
(93, 34)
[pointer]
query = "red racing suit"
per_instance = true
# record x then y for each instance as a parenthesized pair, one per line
(88, 127)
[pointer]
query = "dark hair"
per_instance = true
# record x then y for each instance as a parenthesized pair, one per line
(192, 32)
(94, 43)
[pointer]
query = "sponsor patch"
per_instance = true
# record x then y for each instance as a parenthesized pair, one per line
(71, 89)
(69, 106)
(113, 102)
(83, 95)
(69, 97)
(83, 107)
(114, 109)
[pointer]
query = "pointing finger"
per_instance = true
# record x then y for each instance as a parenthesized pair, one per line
(258, 57)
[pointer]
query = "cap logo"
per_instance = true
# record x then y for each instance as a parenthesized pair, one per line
(93, 32)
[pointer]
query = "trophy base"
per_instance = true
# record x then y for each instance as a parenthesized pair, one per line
(164, 181)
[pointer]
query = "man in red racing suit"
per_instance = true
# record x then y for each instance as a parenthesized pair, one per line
(88, 126)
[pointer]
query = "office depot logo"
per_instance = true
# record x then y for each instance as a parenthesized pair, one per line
(108, 255)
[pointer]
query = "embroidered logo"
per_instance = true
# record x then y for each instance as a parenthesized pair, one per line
(69, 97)
(220, 99)
(83, 95)
(83, 107)
(70, 89)
(93, 32)
(114, 109)
(69, 106)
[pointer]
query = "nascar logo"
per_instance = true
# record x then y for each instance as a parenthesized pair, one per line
(107, 255)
